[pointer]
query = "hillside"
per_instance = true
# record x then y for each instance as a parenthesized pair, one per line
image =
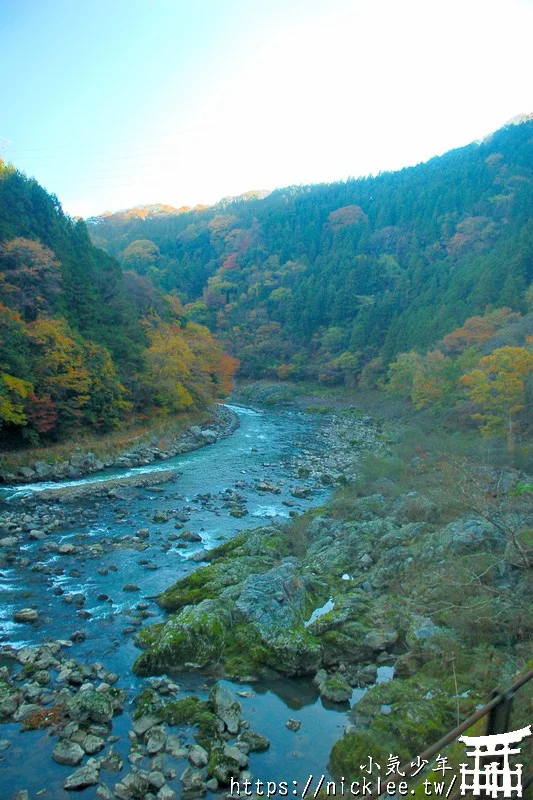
(317, 281)
(84, 344)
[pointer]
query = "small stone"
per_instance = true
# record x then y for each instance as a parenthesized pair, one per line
(166, 793)
(293, 724)
(93, 744)
(26, 615)
(104, 793)
(156, 741)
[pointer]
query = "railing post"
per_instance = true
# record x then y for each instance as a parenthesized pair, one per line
(498, 722)
(499, 716)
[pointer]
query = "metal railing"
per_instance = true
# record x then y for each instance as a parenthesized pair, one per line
(498, 710)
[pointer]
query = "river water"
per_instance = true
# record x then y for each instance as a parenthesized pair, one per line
(265, 447)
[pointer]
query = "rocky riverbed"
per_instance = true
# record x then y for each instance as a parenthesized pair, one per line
(85, 560)
(300, 613)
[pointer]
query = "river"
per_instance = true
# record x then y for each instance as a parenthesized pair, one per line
(266, 447)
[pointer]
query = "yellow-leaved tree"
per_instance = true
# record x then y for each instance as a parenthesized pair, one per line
(498, 387)
(13, 393)
(168, 363)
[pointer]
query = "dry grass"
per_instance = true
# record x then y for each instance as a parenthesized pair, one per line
(105, 445)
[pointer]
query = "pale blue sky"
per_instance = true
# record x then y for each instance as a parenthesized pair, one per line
(114, 103)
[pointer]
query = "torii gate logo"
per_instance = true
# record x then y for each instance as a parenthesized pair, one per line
(497, 777)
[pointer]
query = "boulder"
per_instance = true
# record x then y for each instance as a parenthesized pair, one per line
(190, 536)
(226, 708)
(90, 706)
(198, 756)
(156, 740)
(225, 763)
(83, 777)
(274, 600)
(255, 741)
(67, 752)
(333, 687)
(195, 637)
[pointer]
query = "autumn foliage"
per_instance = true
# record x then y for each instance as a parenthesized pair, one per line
(83, 346)
(496, 386)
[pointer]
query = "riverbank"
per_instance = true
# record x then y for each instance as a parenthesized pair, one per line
(221, 421)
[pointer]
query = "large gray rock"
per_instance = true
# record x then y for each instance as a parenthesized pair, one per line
(198, 756)
(274, 600)
(226, 708)
(90, 705)
(67, 752)
(144, 723)
(83, 777)
(156, 740)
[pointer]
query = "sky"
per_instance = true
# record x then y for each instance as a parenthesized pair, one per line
(111, 104)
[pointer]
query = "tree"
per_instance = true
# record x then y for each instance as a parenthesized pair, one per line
(13, 393)
(32, 280)
(498, 387)
(168, 363)
(141, 256)
(402, 373)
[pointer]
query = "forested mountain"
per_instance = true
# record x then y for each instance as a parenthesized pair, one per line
(84, 344)
(319, 281)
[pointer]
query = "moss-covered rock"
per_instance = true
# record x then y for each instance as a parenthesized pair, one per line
(147, 702)
(192, 589)
(91, 706)
(209, 729)
(193, 638)
(225, 763)
(407, 715)
(294, 652)
(333, 687)
(351, 753)
(10, 699)
(186, 711)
